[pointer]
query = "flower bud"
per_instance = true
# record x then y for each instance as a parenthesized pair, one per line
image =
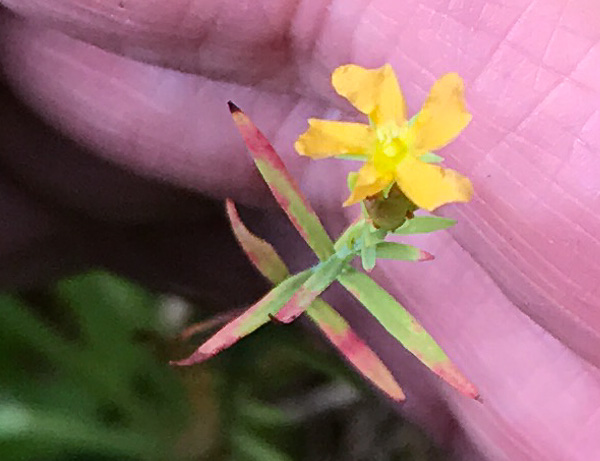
(389, 211)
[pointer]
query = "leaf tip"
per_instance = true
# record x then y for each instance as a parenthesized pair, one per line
(195, 358)
(231, 211)
(359, 354)
(233, 108)
(425, 256)
(397, 395)
(450, 373)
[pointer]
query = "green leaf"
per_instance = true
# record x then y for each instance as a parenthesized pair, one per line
(404, 327)
(332, 324)
(323, 276)
(368, 253)
(430, 157)
(261, 414)
(76, 393)
(65, 356)
(357, 352)
(424, 225)
(401, 252)
(261, 253)
(350, 236)
(33, 426)
(253, 318)
(283, 186)
(386, 191)
(368, 257)
(253, 447)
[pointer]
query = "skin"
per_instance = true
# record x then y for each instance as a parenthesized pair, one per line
(137, 91)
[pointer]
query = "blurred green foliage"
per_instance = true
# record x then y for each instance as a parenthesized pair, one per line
(77, 378)
(84, 376)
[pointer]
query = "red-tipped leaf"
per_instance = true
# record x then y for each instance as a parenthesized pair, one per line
(323, 276)
(253, 318)
(261, 253)
(422, 224)
(332, 324)
(401, 252)
(283, 186)
(356, 351)
(405, 328)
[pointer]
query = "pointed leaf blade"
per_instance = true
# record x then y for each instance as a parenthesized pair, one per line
(261, 253)
(405, 328)
(283, 186)
(249, 321)
(401, 252)
(424, 225)
(323, 276)
(332, 324)
(356, 351)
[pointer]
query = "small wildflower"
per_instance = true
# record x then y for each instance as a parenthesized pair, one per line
(391, 145)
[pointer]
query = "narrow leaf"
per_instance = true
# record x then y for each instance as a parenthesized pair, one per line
(250, 320)
(401, 252)
(404, 327)
(347, 240)
(283, 186)
(323, 276)
(368, 257)
(332, 324)
(261, 253)
(424, 224)
(356, 351)
(60, 429)
(252, 447)
(368, 253)
(206, 325)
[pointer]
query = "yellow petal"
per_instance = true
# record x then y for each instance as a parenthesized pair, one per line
(443, 115)
(368, 182)
(430, 186)
(325, 138)
(374, 92)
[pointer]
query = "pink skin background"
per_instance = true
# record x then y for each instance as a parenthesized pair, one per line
(137, 91)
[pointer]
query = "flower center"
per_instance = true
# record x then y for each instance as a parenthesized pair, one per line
(390, 148)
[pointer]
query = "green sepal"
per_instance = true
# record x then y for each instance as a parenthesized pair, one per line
(351, 180)
(386, 191)
(430, 157)
(353, 157)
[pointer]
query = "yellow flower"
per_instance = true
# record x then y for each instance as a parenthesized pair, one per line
(391, 145)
